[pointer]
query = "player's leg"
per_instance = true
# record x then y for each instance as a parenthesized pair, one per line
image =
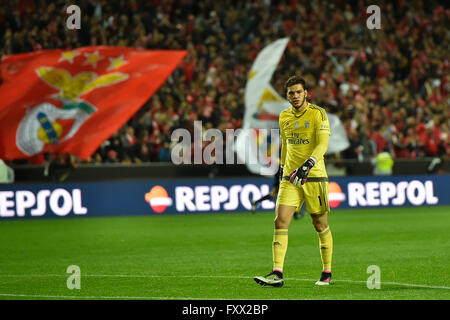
(279, 246)
(320, 222)
(299, 213)
(318, 207)
(287, 202)
(273, 194)
(289, 198)
(254, 204)
(284, 214)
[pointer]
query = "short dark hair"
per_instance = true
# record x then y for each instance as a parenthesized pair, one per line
(294, 80)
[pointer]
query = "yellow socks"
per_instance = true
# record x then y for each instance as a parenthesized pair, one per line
(280, 243)
(279, 248)
(326, 248)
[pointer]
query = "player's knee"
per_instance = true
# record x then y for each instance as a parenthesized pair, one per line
(281, 223)
(319, 225)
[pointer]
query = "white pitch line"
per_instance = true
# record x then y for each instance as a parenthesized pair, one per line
(212, 277)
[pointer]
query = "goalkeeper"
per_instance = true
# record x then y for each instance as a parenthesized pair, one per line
(305, 133)
(298, 214)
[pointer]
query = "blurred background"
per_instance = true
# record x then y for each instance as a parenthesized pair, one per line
(389, 87)
(386, 88)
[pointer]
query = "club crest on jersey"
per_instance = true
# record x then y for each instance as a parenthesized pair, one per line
(306, 124)
(296, 125)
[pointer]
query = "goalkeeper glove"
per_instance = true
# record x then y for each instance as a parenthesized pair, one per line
(280, 174)
(299, 175)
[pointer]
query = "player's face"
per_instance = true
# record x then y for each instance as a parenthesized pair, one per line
(296, 95)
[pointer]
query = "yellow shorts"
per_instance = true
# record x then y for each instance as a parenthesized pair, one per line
(313, 194)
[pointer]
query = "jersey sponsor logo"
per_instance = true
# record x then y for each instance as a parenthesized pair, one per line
(297, 139)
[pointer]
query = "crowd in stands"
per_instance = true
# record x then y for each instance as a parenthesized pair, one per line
(390, 86)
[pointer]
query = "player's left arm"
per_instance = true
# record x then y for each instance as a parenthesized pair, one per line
(300, 175)
(322, 146)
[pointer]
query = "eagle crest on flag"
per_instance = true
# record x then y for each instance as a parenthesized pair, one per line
(70, 101)
(40, 125)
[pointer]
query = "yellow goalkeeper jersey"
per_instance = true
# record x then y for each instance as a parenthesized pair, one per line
(301, 135)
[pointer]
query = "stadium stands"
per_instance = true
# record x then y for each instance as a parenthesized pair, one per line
(390, 87)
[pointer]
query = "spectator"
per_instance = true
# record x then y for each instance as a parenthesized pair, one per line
(383, 163)
(111, 157)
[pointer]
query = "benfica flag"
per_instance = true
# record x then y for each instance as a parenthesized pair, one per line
(61, 101)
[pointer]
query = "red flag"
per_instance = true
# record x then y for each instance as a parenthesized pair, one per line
(62, 101)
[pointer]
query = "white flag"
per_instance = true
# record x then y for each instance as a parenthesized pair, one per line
(338, 138)
(262, 103)
(259, 149)
(257, 146)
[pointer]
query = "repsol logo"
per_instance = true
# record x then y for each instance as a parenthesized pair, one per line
(59, 202)
(220, 198)
(389, 193)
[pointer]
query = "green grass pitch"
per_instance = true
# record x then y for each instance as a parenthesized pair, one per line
(215, 256)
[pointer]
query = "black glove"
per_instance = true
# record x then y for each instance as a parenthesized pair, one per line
(298, 176)
(280, 174)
